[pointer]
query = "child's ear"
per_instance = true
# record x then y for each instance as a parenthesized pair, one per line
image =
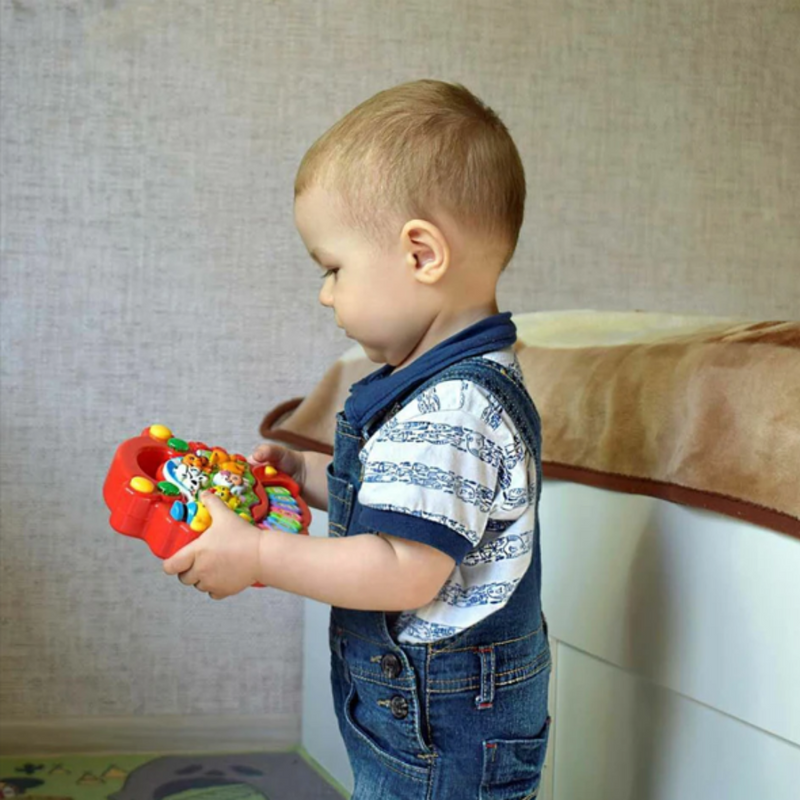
(426, 250)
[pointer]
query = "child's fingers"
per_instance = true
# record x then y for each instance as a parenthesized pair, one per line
(267, 454)
(181, 561)
(213, 504)
(280, 457)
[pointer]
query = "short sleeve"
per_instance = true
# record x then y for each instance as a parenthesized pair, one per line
(432, 475)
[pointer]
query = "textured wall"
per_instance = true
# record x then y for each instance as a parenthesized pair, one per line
(151, 271)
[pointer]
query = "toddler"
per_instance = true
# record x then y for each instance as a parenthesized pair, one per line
(411, 207)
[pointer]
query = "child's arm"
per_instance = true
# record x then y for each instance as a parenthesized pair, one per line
(368, 572)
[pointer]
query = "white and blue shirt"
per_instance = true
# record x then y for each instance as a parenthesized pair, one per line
(449, 469)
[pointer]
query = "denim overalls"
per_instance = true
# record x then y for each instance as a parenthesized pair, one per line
(460, 718)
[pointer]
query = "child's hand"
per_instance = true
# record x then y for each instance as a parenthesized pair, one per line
(292, 462)
(224, 560)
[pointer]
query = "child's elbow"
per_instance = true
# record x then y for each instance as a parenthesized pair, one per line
(409, 598)
(419, 596)
(423, 572)
(432, 588)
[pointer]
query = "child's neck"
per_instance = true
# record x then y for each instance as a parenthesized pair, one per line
(447, 323)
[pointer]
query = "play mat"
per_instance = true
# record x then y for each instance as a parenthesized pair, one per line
(242, 776)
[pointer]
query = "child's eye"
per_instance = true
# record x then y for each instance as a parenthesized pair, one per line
(328, 272)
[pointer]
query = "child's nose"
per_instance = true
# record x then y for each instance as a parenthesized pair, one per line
(325, 294)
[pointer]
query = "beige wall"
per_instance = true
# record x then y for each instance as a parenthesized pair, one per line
(151, 271)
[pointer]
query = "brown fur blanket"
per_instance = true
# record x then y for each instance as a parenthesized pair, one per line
(697, 410)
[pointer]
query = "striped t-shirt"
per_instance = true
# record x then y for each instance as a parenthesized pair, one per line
(453, 456)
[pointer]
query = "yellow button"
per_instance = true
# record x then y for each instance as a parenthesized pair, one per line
(270, 471)
(198, 525)
(202, 519)
(142, 485)
(161, 432)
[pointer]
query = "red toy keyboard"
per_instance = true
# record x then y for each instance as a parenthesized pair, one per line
(155, 479)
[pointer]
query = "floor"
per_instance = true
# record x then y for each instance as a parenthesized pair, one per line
(243, 776)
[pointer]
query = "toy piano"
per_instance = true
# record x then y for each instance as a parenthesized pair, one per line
(155, 480)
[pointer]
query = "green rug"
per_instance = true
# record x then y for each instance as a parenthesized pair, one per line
(241, 776)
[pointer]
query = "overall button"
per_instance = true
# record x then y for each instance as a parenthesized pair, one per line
(399, 706)
(390, 666)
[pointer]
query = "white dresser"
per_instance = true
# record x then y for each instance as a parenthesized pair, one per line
(676, 647)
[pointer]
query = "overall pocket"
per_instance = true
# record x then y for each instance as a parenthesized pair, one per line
(387, 720)
(340, 503)
(512, 768)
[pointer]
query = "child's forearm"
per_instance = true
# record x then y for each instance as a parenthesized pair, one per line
(365, 572)
(315, 483)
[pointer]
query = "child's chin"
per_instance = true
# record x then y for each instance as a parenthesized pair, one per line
(373, 354)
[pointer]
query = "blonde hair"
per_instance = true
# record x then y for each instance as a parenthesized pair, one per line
(416, 149)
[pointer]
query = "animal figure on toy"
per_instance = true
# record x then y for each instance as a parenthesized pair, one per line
(152, 490)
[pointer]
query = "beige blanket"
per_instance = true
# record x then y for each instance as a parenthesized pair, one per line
(697, 410)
